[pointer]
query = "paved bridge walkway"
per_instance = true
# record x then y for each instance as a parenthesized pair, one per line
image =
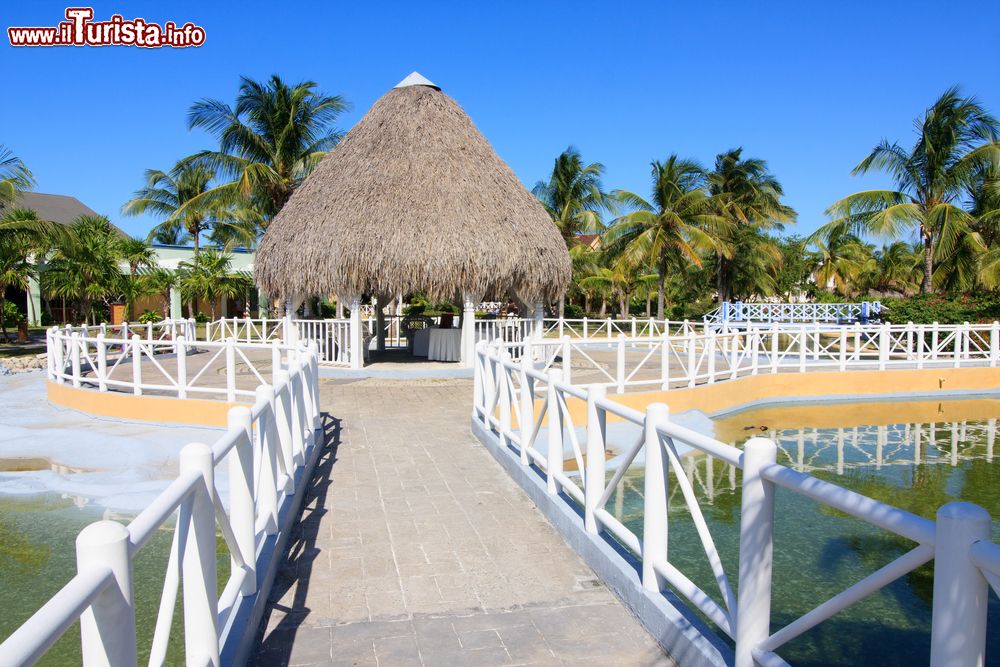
(416, 548)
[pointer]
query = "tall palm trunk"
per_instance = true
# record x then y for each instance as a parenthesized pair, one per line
(722, 278)
(661, 287)
(926, 286)
(649, 303)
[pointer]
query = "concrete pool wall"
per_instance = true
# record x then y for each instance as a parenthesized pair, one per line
(744, 392)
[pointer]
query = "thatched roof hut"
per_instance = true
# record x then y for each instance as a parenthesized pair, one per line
(413, 199)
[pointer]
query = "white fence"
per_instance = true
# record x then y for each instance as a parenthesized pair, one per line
(269, 448)
(691, 356)
(508, 391)
(176, 367)
(737, 311)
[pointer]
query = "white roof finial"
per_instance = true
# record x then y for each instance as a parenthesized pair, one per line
(415, 79)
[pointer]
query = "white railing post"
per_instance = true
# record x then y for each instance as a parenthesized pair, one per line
(107, 627)
(596, 471)
(268, 446)
(554, 460)
(198, 565)
(803, 347)
(994, 343)
(586, 327)
(102, 362)
(136, 365)
(526, 420)
(504, 402)
(774, 347)
(958, 617)
(59, 362)
(182, 378)
(490, 383)
(567, 360)
(665, 358)
(884, 342)
(633, 331)
(296, 422)
(842, 351)
(689, 346)
(753, 607)
(921, 345)
(230, 369)
(755, 337)
(710, 354)
(655, 498)
(74, 356)
(477, 378)
(241, 500)
(909, 341)
(283, 417)
(620, 365)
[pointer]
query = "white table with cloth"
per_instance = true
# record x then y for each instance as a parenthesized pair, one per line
(445, 345)
(421, 341)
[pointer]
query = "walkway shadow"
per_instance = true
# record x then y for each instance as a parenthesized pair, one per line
(275, 640)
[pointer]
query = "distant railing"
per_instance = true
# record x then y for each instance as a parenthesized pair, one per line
(516, 394)
(692, 355)
(271, 447)
(176, 367)
(737, 311)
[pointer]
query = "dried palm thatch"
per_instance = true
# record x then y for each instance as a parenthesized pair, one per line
(413, 199)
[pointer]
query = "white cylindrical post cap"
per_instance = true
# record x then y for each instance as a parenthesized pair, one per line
(100, 534)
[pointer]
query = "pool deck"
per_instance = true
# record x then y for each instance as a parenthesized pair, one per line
(416, 548)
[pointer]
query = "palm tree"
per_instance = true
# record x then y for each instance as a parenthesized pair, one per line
(174, 196)
(671, 230)
(899, 268)
(269, 142)
(160, 281)
(574, 198)
(211, 276)
(84, 265)
(137, 254)
(843, 259)
(753, 270)
(956, 138)
(15, 177)
(746, 195)
(15, 271)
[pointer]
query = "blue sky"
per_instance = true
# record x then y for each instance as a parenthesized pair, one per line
(808, 86)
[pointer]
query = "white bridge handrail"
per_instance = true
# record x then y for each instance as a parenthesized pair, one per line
(519, 389)
(270, 447)
(738, 311)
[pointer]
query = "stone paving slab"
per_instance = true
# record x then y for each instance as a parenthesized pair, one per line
(416, 548)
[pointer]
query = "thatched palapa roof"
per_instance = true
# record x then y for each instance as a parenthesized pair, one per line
(413, 199)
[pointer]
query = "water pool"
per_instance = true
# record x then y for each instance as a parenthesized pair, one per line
(917, 455)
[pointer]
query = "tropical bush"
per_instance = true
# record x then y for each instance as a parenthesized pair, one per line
(150, 316)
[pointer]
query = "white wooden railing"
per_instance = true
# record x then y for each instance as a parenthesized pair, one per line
(270, 448)
(512, 384)
(692, 355)
(177, 367)
(737, 311)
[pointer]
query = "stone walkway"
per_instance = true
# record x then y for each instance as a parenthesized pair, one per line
(416, 548)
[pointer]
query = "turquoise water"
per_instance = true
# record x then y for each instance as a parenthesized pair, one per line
(820, 552)
(37, 557)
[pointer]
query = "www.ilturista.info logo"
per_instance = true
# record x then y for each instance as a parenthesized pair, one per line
(79, 29)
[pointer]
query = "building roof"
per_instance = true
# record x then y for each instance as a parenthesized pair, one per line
(414, 198)
(54, 208)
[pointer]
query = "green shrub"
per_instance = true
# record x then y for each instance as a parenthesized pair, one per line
(928, 308)
(11, 313)
(202, 318)
(573, 311)
(150, 316)
(327, 310)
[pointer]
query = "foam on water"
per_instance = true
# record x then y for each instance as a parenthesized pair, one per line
(127, 463)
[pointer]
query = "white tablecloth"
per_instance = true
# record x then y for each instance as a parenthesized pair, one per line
(421, 340)
(444, 345)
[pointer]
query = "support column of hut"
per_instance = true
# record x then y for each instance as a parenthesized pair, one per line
(469, 303)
